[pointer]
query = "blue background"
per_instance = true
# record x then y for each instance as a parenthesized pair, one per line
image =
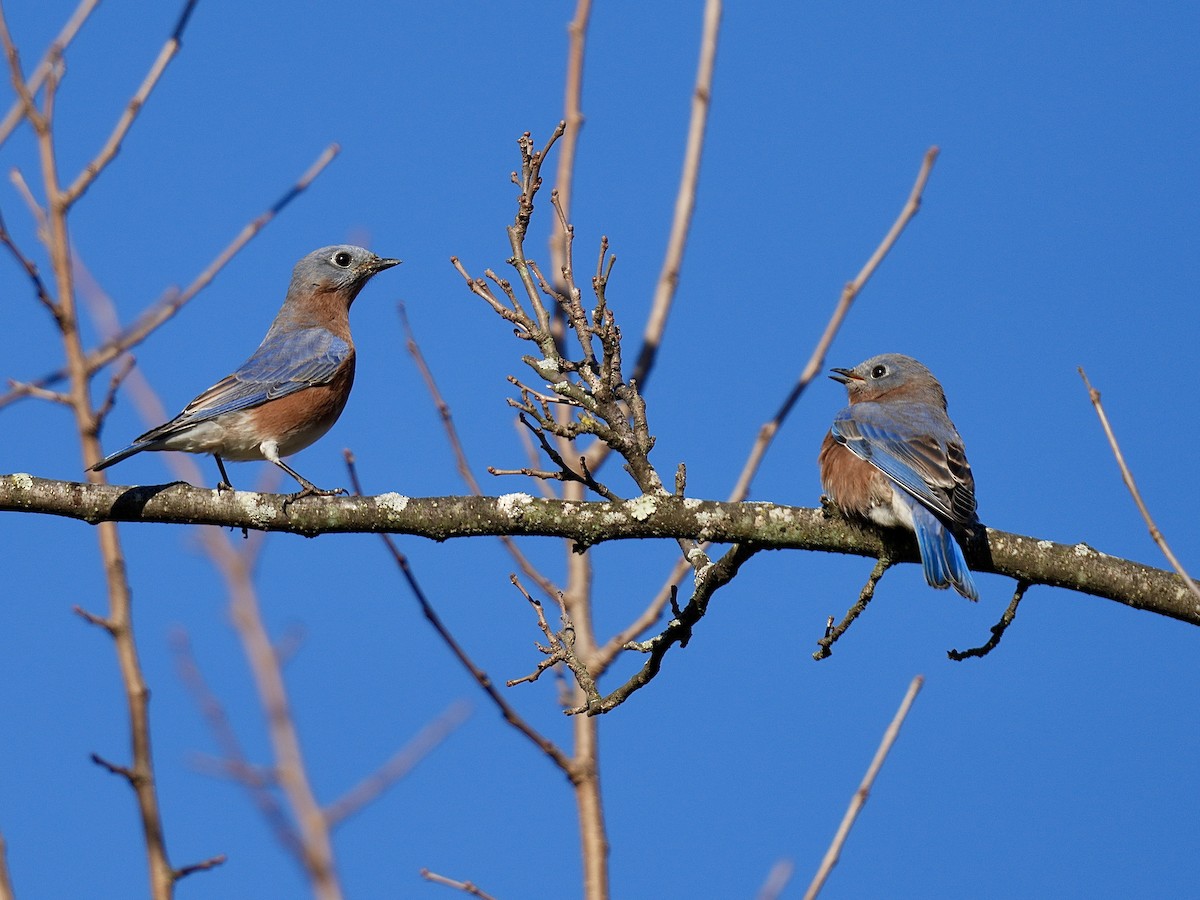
(1059, 229)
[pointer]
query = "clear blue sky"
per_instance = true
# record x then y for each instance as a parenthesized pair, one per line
(1059, 229)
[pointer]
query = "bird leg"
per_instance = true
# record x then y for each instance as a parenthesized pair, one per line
(224, 483)
(310, 489)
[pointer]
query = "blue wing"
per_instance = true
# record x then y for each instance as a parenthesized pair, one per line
(285, 362)
(918, 448)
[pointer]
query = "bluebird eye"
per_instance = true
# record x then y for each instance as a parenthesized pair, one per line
(879, 371)
(342, 259)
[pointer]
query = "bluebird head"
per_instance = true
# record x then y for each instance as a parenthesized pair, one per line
(341, 269)
(890, 374)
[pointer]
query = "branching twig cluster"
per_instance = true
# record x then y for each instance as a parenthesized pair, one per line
(602, 402)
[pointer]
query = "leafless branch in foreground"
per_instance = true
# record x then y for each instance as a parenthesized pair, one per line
(860, 796)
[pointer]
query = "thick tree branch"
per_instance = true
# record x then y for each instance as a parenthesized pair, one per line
(765, 526)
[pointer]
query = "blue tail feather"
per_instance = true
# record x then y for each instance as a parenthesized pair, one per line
(941, 556)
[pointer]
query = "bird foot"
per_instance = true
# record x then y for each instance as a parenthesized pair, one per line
(311, 490)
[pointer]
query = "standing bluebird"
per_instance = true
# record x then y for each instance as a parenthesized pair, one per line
(294, 386)
(893, 456)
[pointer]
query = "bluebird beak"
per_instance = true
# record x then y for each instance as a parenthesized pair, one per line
(379, 264)
(844, 376)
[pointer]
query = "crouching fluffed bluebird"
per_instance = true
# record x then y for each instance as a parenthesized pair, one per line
(294, 386)
(893, 456)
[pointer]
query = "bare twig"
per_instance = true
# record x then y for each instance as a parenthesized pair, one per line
(1127, 477)
(685, 198)
(464, 467)
(510, 715)
(777, 880)
(709, 578)
(997, 630)
(163, 310)
(826, 643)
(6, 888)
(31, 269)
(234, 762)
(211, 863)
(864, 789)
(465, 886)
(107, 153)
(401, 763)
(573, 118)
(816, 361)
(50, 59)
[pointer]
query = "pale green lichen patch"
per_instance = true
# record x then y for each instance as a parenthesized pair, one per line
(23, 481)
(260, 513)
(643, 507)
(1084, 550)
(392, 501)
(510, 504)
(691, 503)
(1045, 545)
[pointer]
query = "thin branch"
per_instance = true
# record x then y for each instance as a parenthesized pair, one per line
(573, 119)
(109, 151)
(709, 579)
(685, 199)
(31, 269)
(510, 715)
(816, 362)
(203, 866)
(6, 888)
(777, 880)
(49, 60)
(156, 315)
(465, 886)
(997, 630)
(864, 597)
(1127, 477)
(401, 763)
(860, 796)
(460, 456)
(234, 763)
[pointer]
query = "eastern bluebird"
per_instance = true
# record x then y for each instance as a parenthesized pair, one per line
(294, 386)
(893, 456)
